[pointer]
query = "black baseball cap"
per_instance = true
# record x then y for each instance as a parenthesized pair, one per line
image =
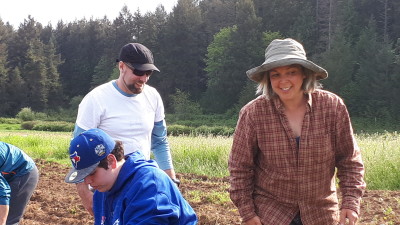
(137, 56)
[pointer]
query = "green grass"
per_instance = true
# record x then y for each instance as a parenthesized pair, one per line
(51, 146)
(381, 155)
(201, 155)
(10, 126)
(209, 155)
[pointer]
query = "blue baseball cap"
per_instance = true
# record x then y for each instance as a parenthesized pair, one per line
(86, 151)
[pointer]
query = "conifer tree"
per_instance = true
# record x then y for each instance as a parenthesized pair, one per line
(16, 90)
(374, 75)
(53, 85)
(3, 70)
(181, 59)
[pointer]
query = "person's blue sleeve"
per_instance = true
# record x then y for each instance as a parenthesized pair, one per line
(154, 211)
(5, 191)
(160, 146)
(77, 130)
(13, 162)
(154, 199)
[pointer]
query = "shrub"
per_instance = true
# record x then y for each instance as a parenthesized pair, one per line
(26, 114)
(60, 114)
(4, 120)
(214, 130)
(74, 103)
(202, 120)
(176, 130)
(54, 126)
(40, 116)
(183, 107)
(48, 126)
(28, 125)
(373, 125)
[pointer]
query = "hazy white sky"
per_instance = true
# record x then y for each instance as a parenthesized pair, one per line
(51, 11)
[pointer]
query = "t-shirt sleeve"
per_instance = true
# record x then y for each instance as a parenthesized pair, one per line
(89, 113)
(160, 114)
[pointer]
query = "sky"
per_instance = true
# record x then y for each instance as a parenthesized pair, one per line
(51, 11)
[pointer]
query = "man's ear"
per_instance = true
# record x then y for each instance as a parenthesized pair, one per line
(112, 161)
(120, 66)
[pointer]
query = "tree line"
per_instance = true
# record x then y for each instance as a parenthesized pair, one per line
(203, 49)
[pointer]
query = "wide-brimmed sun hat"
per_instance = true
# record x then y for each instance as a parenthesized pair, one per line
(284, 52)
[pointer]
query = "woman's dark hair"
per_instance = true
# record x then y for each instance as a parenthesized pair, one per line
(118, 152)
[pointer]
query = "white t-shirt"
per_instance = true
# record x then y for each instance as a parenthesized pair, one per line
(128, 119)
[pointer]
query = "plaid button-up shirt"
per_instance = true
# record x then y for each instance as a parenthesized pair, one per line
(274, 179)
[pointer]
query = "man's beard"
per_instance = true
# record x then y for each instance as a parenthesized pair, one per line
(132, 87)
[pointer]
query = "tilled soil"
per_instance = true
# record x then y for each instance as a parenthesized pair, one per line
(55, 202)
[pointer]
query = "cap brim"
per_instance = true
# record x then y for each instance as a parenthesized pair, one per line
(145, 67)
(76, 176)
(256, 73)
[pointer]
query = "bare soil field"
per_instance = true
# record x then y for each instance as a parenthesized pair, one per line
(55, 202)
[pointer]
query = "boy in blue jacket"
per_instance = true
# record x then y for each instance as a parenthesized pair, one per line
(18, 179)
(128, 189)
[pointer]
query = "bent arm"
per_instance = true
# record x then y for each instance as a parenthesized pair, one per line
(161, 149)
(350, 167)
(83, 190)
(241, 167)
(154, 199)
(86, 196)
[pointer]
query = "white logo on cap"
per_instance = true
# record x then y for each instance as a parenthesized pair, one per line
(73, 175)
(100, 150)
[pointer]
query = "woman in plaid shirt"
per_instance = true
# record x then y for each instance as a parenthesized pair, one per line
(289, 144)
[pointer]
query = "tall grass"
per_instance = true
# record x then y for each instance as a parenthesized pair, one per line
(51, 146)
(209, 155)
(381, 155)
(201, 155)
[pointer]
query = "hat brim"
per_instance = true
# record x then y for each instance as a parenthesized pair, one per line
(145, 67)
(76, 176)
(256, 73)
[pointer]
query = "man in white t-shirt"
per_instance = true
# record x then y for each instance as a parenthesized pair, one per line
(129, 111)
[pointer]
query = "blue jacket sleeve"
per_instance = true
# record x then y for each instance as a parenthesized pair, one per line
(77, 130)
(151, 201)
(5, 191)
(160, 146)
(158, 210)
(13, 163)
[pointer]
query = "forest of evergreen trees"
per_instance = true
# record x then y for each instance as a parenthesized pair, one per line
(203, 49)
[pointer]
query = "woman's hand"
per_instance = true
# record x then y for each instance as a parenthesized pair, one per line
(350, 215)
(253, 221)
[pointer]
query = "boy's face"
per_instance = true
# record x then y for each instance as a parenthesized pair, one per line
(101, 179)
